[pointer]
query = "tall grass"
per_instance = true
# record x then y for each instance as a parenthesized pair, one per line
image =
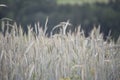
(59, 57)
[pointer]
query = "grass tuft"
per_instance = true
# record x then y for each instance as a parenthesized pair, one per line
(65, 57)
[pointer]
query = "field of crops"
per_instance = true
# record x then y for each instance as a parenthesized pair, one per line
(58, 57)
(80, 1)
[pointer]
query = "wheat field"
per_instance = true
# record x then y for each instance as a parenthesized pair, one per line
(58, 57)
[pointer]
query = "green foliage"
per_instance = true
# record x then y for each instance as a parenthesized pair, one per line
(28, 12)
(80, 2)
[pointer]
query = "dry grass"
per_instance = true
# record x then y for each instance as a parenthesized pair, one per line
(60, 57)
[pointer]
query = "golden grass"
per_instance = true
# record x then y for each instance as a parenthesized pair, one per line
(60, 57)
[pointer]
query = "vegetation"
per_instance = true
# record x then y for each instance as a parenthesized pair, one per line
(26, 12)
(80, 1)
(34, 56)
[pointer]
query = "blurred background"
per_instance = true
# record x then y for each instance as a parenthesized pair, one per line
(87, 13)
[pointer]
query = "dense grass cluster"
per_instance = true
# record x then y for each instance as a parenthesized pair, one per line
(59, 57)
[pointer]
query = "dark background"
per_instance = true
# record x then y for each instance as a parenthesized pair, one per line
(26, 12)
